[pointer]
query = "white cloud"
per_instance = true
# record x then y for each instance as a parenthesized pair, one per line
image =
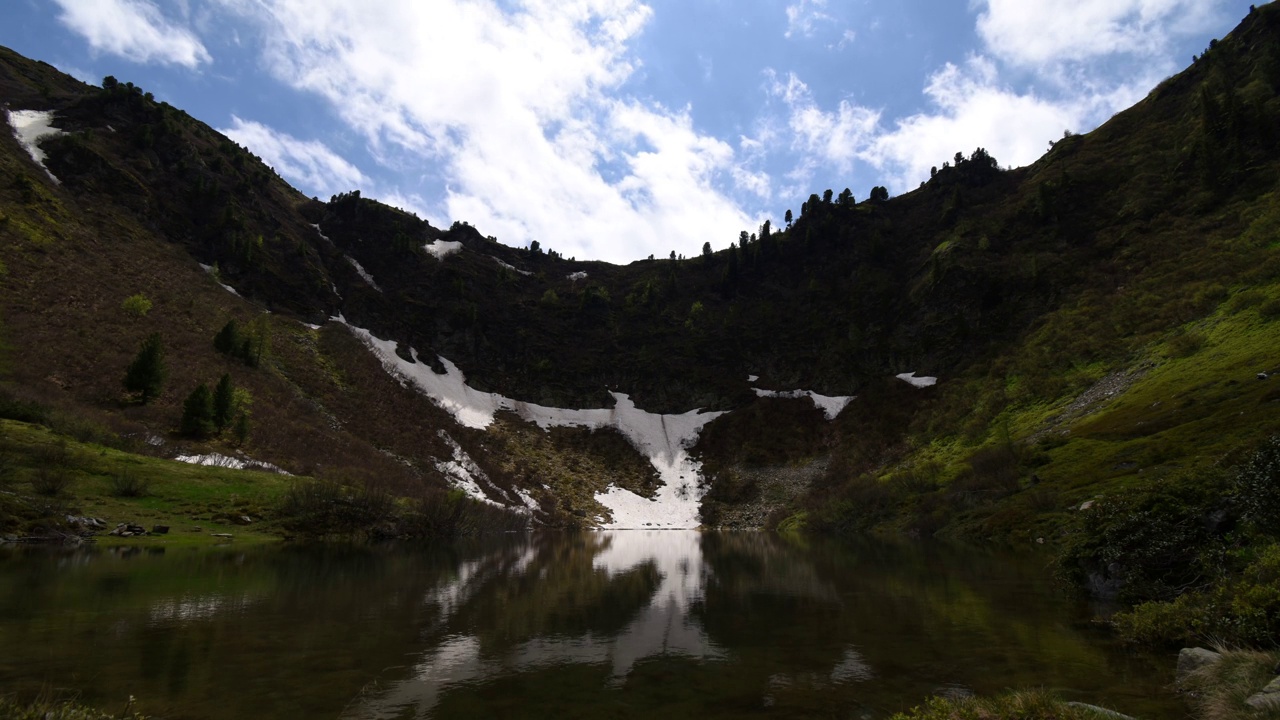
(307, 163)
(1038, 32)
(833, 137)
(134, 30)
(520, 113)
(804, 16)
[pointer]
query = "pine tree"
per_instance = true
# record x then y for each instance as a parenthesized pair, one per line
(224, 403)
(227, 341)
(197, 413)
(146, 374)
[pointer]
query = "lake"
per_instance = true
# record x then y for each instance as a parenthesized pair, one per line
(620, 624)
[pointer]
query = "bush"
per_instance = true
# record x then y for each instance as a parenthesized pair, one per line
(136, 305)
(1256, 488)
(126, 484)
(1151, 542)
(318, 508)
(1269, 310)
(51, 481)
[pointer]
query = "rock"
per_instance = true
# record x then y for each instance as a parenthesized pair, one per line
(160, 529)
(1087, 504)
(1192, 659)
(1267, 698)
(1101, 711)
(1107, 583)
(244, 520)
(1263, 376)
(1218, 522)
(221, 535)
(11, 538)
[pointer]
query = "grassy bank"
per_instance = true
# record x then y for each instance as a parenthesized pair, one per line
(46, 477)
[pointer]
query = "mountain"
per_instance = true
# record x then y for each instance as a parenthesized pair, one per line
(1094, 319)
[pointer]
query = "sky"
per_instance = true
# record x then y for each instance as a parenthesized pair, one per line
(618, 129)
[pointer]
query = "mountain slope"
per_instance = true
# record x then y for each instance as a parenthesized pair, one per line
(1140, 259)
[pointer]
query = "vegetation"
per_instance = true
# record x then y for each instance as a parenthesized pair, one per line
(63, 710)
(1218, 691)
(146, 374)
(1022, 705)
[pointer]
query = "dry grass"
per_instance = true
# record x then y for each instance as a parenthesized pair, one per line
(1219, 691)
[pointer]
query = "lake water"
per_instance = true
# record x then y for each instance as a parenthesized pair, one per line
(625, 624)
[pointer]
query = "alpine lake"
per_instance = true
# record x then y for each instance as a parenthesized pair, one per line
(610, 624)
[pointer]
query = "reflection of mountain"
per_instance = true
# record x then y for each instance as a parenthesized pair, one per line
(609, 599)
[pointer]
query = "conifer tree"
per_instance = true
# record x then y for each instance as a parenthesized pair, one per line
(197, 413)
(146, 374)
(224, 403)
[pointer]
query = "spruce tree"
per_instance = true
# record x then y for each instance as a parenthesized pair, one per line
(227, 341)
(224, 403)
(197, 413)
(146, 374)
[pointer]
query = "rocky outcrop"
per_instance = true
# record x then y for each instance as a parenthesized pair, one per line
(1192, 659)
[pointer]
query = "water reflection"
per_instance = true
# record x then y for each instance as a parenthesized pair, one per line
(619, 624)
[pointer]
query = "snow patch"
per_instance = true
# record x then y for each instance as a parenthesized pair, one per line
(321, 234)
(831, 406)
(363, 273)
(30, 127)
(442, 249)
(663, 439)
(232, 463)
(511, 267)
(580, 275)
(464, 474)
(920, 382)
(752, 378)
(212, 274)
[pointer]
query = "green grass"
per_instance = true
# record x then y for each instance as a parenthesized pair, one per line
(179, 495)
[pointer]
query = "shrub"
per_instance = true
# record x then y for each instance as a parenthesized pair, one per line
(1149, 543)
(1185, 344)
(136, 305)
(318, 508)
(51, 481)
(1270, 310)
(1023, 705)
(1256, 488)
(126, 484)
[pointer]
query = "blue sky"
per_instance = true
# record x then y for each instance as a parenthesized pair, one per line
(616, 129)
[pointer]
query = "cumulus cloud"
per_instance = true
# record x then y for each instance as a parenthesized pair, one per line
(834, 137)
(307, 163)
(134, 30)
(1037, 32)
(518, 109)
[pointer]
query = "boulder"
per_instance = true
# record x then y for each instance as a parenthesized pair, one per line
(1101, 711)
(1268, 698)
(1192, 659)
(160, 529)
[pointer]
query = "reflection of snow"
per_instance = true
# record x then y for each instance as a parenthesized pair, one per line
(663, 439)
(920, 382)
(188, 609)
(853, 668)
(442, 249)
(30, 127)
(662, 628)
(829, 405)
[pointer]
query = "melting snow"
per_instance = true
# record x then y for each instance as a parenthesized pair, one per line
(363, 273)
(226, 461)
(829, 405)
(580, 275)
(30, 127)
(752, 378)
(228, 288)
(443, 248)
(510, 267)
(920, 382)
(663, 439)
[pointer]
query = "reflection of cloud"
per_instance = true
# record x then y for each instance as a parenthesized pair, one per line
(199, 607)
(662, 628)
